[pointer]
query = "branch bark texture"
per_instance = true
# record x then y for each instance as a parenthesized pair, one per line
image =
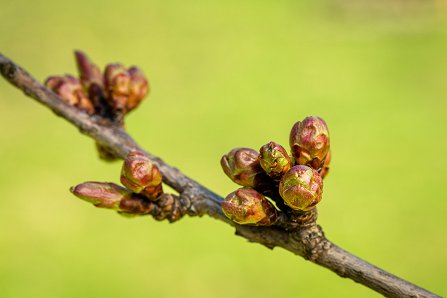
(308, 242)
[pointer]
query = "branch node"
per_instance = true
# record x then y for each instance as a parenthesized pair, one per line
(313, 241)
(185, 199)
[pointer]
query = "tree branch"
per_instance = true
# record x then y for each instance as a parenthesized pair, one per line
(308, 242)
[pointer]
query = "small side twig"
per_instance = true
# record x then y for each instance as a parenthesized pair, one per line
(308, 242)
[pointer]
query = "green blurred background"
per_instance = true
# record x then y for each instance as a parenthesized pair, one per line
(226, 74)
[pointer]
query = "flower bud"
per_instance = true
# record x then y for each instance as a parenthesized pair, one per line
(301, 188)
(140, 175)
(247, 206)
(89, 73)
(242, 166)
(101, 194)
(70, 90)
(274, 160)
(138, 88)
(309, 141)
(117, 84)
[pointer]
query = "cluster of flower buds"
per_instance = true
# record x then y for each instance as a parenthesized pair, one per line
(293, 182)
(111, 94)
(143, 193)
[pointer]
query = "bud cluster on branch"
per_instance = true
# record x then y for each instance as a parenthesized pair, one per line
(278, 189)
(274, 181)
(110, 95)
(142, 195)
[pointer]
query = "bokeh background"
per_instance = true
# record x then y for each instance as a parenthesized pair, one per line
(226, 74)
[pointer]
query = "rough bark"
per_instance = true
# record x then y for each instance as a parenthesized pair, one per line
(308, 242)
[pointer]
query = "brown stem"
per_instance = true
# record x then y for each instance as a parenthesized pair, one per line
(308, 242)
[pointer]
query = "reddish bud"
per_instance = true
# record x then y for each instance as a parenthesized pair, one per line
(309, 141)
(274, 160)
(138, 88)
(117, 83)
(92, 81)
(140, 175)
(242, 166)
(112, 196)
(247, 206)
(70, 90)
(89, 73)
(301, 188)
(101, 194)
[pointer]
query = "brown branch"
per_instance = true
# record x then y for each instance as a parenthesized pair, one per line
(308, 242)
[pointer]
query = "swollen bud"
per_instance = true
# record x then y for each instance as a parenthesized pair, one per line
(70, 90)
(274, 160)
(246, 206)
(242, 166)
(301, 188)
(140, 175)
(125, 88)
(138, 88)
(101, 194)
(309, 141)
(117, 83)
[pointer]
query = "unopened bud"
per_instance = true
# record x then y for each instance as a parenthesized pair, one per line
(274, 160)
(70, 90)
(138, 88)
(117, 85)
(246, 206)
(89, 72)
(101, 194)
(242, 166)
(309, 141)
(301, 188)
(92, 81)
(140, 175)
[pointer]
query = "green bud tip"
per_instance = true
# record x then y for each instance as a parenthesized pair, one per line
(274, 160)
(309, 141)
(301, 188)
(248, 207)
